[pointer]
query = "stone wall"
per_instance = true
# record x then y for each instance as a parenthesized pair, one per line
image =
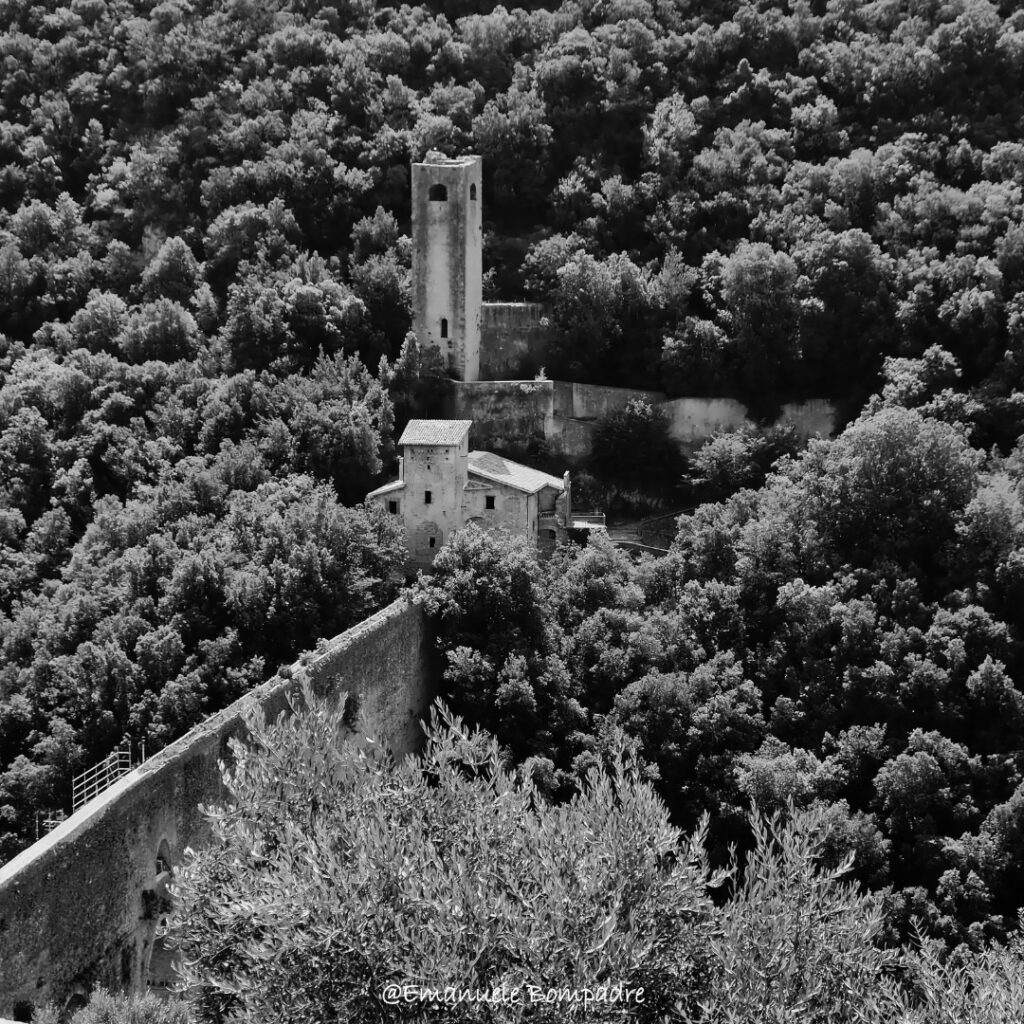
(509, 414)
(514, 339)
(441, 470)
(505, 414)
(514, 511)
(447, 259)
(815, 417)
(592, 401)
(693, 420)
(72, 907)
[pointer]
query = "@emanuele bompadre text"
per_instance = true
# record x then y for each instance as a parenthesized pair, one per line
(395, 994)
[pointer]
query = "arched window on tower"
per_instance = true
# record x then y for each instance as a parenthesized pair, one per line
(472, 191)
(438, 194)
(444, 327)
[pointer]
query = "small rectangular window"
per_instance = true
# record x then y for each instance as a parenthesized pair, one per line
(432, 540)
(489, 501)
(427, 497)
(393, 507)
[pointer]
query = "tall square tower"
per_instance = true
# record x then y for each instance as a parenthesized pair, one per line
(435, 466)
(447, 260)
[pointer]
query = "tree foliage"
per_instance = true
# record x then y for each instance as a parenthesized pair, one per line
(846, 637)
(337, 880)
(351, 873)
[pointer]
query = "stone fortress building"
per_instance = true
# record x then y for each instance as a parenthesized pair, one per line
(442, 486)
(478, 340)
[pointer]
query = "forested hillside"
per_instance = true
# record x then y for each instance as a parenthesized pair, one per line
(847, 638)
(204, 262)
(339, 884)
(763, 198)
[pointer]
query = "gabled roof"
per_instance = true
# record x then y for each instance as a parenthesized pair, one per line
(435, 431)
(513, 474)
(395, 485)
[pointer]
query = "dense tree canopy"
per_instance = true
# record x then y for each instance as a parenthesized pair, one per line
(847, 637)
(760, 199)
(341, 885)
(204, 311)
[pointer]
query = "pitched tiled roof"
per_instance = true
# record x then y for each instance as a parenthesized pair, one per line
(395, 485)
(435, 431)
(505, 471)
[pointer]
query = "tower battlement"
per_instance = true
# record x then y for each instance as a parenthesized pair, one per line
(447, 259)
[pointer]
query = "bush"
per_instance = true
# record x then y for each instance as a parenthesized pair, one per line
(798, 943)
(335, 872)
(634, 453)
(732, 460)
(106, 1008)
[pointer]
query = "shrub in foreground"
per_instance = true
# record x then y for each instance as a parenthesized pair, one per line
(335, 872)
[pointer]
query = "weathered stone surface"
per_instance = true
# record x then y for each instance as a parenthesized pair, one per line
(511, 413)
(514, 339)
(72, 907)
(447, 259)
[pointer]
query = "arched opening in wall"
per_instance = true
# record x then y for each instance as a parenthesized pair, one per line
(160, 974)
(444, 327)
(472, 192)
(438, 194)
(77, 1002)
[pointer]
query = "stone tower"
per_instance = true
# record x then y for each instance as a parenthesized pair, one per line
(447, 260)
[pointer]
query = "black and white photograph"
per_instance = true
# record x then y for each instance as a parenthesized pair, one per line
(512, 514)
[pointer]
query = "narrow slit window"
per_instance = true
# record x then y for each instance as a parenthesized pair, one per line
(433, 541)
(438, 194)
(472, 192)
(427, 497)
(444, 327)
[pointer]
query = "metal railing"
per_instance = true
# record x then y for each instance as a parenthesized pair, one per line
(48, 820)
(99, 777)
(587, 518)
(55, 819)
(581, 518)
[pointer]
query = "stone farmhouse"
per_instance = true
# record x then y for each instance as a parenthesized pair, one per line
(442, 487)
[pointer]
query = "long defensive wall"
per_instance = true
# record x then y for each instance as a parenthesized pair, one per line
(81, 906)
